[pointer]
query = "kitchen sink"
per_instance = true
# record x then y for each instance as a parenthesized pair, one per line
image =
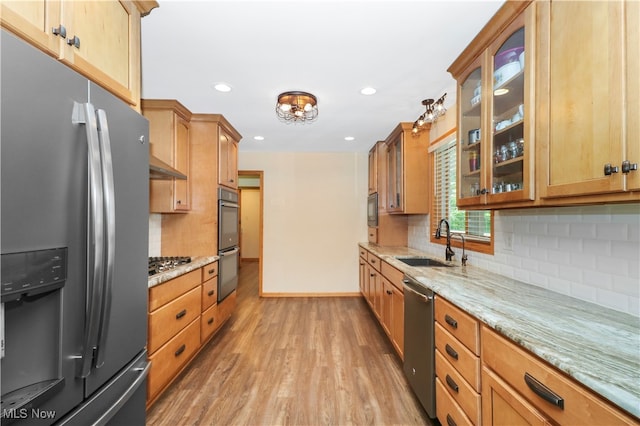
(422, 261)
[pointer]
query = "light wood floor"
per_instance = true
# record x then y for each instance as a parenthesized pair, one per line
(292, 361)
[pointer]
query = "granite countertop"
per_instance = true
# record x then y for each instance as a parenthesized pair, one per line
(196, 262)
(598, 347)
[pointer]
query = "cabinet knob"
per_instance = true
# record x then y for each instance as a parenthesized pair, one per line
(609, 169)
(628, 167)
(210, 293)
(60, 31)
(389, 292)
(212, 271)
(178, 201)
(210, 321)
(74, 41)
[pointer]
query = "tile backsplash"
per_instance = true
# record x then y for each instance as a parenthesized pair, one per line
(588, 252)
(155, 234)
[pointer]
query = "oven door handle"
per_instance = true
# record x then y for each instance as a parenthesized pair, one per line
(230, 252)
(228, 204)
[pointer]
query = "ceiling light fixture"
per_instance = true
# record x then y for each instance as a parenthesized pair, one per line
(368, 91)
(349, 138)
(297, 107)
(434, 110)
(258, 138)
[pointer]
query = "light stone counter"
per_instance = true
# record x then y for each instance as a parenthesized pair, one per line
(598, 347)
(196, 262)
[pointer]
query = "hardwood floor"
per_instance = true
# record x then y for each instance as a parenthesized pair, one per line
(292, 361)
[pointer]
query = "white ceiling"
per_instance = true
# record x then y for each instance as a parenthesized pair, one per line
(329, 48)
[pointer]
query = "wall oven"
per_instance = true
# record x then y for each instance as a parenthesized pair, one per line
(228, 237)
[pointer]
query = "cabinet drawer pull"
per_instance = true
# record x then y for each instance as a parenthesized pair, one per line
(180, 349)
(453, 385)
(210, 293)
(450, 421)
(212, 271)
(452, 353)
(389, 292)
(543, 392)
(452, 322)
(373, 275)
(181, 314)
(210, 321)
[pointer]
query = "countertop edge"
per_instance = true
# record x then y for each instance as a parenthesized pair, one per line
(458, 285)
(196, 262)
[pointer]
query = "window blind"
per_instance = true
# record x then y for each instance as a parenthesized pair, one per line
(476, 225)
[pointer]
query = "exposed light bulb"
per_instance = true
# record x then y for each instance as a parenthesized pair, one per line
(285, 107)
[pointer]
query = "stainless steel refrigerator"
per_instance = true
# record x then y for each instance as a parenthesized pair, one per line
(74, 242)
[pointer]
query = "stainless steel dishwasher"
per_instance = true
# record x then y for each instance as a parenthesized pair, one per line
(419, 343)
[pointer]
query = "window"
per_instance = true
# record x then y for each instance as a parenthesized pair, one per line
(476, 225)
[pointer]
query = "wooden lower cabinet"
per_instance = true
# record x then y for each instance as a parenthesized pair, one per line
(167, 362)
(382, 288)
(447, 410)
(183, 316)
(524, 377)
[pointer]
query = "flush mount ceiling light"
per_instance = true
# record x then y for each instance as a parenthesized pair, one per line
(368, 91)
(297, 107)
(434, 110)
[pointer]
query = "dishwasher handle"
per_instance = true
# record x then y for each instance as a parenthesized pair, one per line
(425, 298)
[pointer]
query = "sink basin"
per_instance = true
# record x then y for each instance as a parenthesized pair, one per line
(422, 261)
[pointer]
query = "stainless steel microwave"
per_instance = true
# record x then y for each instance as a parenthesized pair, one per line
(372, 209)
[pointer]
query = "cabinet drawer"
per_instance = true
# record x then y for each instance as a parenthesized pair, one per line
(393, 275)
(447, 410)
(209, 322)
(374, 261)
(209, 293)
(171, 357)
(512, 363)
(461, 391)
(372, 235)
(461, 358)
(363, 253)
(165, 322)
(166, 292)
(226, 307)
(209, 271)
(461, 325)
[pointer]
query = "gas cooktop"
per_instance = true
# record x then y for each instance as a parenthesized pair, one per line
(166, 263)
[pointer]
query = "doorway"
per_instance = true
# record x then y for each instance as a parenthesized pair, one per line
(250, 191)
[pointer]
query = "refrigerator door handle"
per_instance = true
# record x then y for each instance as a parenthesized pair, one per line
(85, 114)
(109, 229)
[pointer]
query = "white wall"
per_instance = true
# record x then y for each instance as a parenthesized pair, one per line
(314, 216)
(155, 234)
(590, 253)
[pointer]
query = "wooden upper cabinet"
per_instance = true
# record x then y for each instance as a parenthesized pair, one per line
(632, 91)
(34, 21)
(169, 141)
(588, 102)
(407, 171)
(373, 169)
(228, 157)
(99, 39)
(496, 117)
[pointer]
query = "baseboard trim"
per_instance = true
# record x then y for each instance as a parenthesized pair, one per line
(283, 295)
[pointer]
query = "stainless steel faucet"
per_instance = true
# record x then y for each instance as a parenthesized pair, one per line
(448, 253)
(464, 255)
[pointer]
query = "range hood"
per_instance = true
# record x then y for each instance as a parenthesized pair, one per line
(160, 170)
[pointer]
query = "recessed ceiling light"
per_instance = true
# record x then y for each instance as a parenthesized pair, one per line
(500, 92)
(349, 138)
(222, 87)
(368, 91)
(258, 138)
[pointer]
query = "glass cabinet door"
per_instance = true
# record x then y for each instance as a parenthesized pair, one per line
(394, 176)
(508, 117)
(469, 153)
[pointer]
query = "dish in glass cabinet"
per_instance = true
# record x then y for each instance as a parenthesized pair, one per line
(505, 73)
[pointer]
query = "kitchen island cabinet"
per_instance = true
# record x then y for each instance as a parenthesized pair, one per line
(67, 30)
(553, 329)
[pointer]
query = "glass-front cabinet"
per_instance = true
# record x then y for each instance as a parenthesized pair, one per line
(496, 117)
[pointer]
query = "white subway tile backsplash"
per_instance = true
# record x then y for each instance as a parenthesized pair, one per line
(155, 234)
(588, 252)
